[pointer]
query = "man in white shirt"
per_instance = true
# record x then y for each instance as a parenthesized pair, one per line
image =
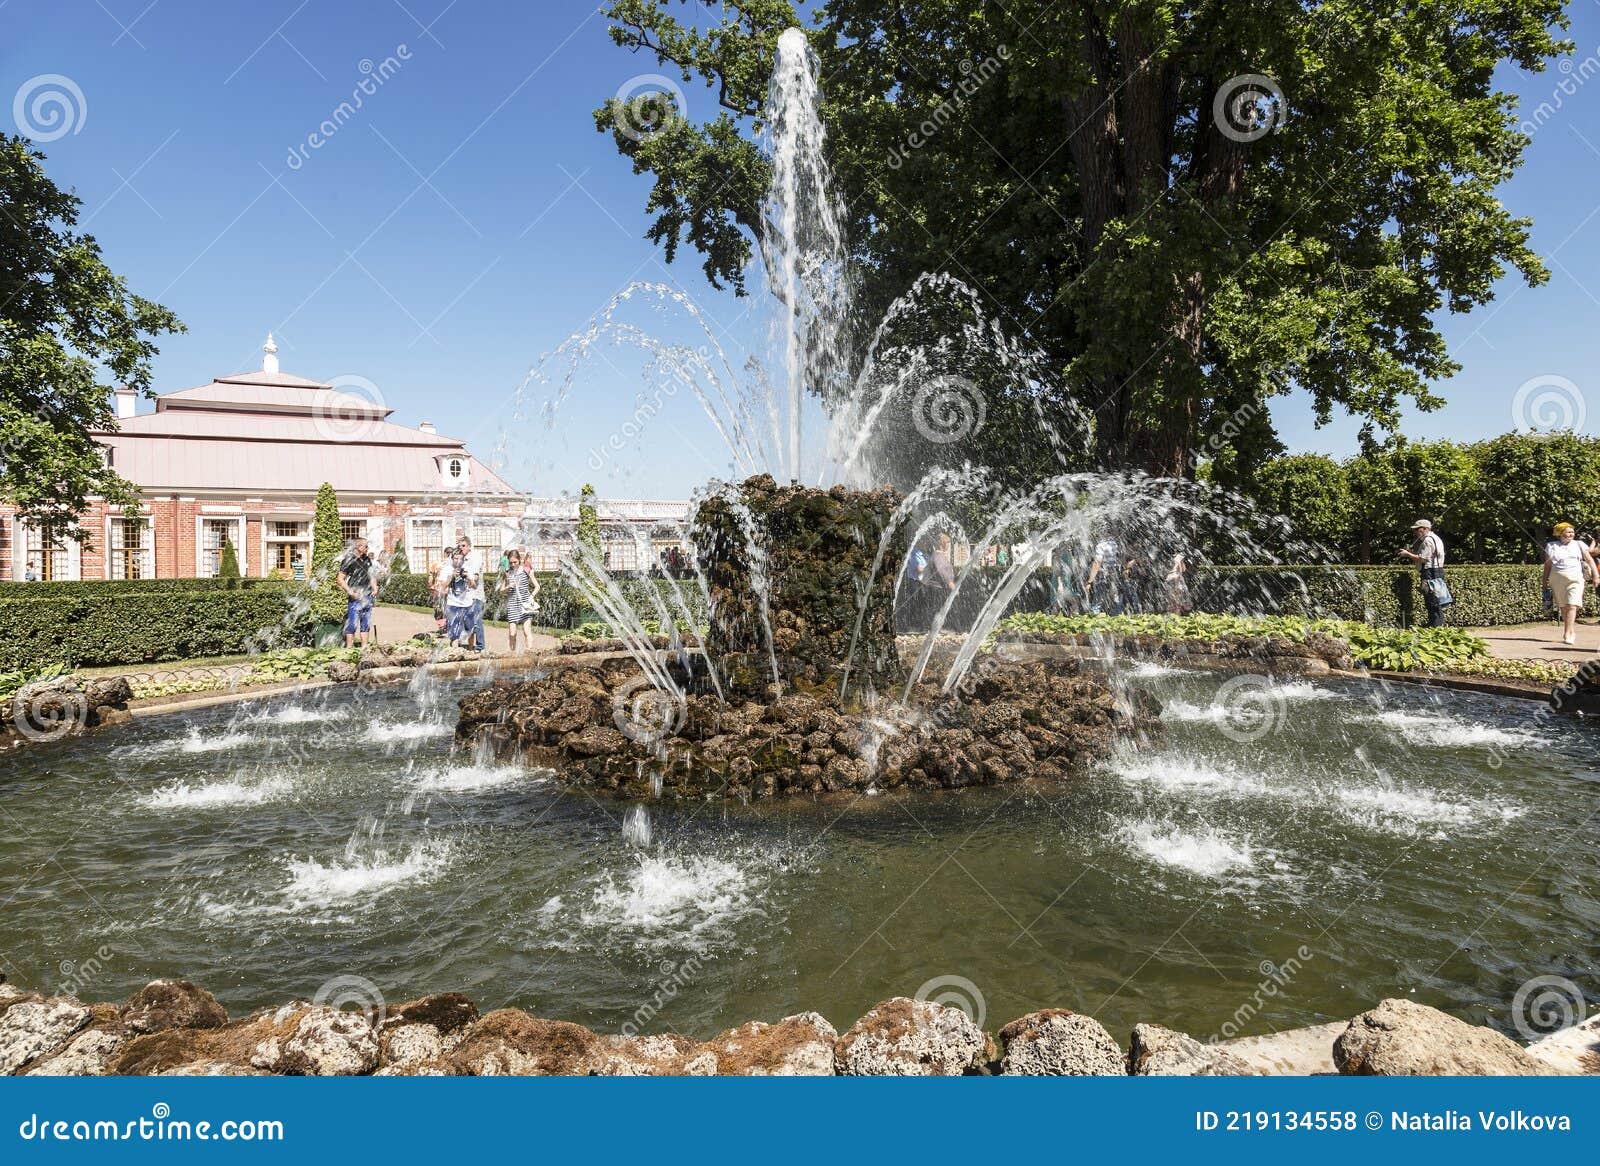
(1427, 552)
(472, 566)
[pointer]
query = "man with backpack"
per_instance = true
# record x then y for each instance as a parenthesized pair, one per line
(1427, 552)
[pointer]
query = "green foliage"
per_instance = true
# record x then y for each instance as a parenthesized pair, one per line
(1066, 160)
(1313, 492)
(15, 681)
(228, 568)
(1551, 672)
(588, 534)
(60, 588)
(1387, 649)
(297, 663)
(398, 563)
(69, 330)
(590, 630)
(1485, 596)
(110, 627)
(1492, 501)
(327, 548)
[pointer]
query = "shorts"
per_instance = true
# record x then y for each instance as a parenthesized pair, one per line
(1566, 590)
(358, 616)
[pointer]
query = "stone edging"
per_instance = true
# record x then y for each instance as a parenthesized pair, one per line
(177, 1028)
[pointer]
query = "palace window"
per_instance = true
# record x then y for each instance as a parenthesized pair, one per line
(488, 540)
(426, 546)
(351, 529)
(130, 549)
(214, 533)
(51, 557)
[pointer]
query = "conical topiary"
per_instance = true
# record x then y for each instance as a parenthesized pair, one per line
(228, 566)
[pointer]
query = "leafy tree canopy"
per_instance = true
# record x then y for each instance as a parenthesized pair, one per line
(69, 330)
(1178, 251)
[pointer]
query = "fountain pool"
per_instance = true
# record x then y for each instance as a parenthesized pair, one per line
(265, 849)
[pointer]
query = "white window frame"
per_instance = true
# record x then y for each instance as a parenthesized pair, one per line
(22, 534)
(147, 548)
(414, 549)
(271, 540)
(239, 525)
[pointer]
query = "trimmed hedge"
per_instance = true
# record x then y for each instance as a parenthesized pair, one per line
(141, 627)
(14, 589)
(1485, 596)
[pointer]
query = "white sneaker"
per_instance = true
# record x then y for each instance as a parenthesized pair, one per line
(1572, 639)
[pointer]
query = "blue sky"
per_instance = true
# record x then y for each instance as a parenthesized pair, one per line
(469, 217)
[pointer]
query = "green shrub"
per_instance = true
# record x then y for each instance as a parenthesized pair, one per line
(1389, 649)
(58, 589)
(141, 627)
(1485, 596)
(228, 568)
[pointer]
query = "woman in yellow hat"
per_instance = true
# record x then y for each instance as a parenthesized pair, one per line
(1567, 563)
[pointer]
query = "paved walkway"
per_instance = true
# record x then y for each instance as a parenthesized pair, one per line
(396, 624)
(1540, 641)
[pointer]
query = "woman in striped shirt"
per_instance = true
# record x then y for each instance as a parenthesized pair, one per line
(521, 590)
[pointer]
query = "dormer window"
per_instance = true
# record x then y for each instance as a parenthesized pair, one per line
(455, 470)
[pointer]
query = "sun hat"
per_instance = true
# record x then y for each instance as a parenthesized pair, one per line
(1422, 524)
(1563, 526)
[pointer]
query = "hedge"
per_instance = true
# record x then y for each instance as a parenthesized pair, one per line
(13, 589)
(1485, 596)
(140, 627)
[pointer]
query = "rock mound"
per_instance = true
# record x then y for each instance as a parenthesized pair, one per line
(1401, 1038)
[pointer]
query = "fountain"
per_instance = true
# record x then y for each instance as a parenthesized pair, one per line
(799, 685)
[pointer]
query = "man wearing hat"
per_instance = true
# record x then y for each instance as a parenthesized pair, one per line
(1427, 552)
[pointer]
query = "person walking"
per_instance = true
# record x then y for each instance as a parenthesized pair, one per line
(1427, 552)
(31, 574)
(355, 576)
(1105, 577)
(458, 600)
(521, 590)
(472, 567)
(297, 567)
(1568, 563)
(1064, 596)
(1176, 586)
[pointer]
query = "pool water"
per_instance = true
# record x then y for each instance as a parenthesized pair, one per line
(1281, 853)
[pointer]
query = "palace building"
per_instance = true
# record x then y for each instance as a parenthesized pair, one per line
(241, 459)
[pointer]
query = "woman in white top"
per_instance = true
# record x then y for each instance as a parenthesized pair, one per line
(1567, 563)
